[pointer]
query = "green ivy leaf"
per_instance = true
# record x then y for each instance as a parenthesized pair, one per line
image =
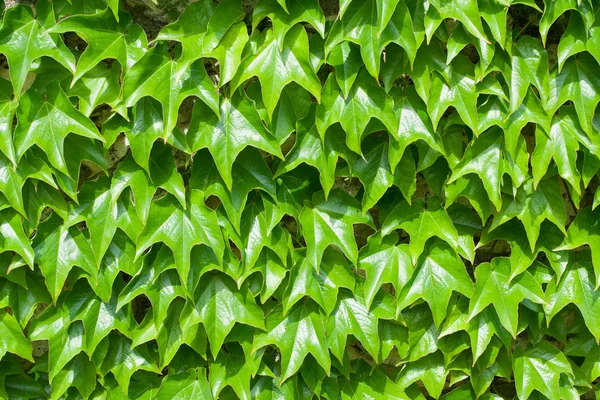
(532, 207)
(23, 39)
(577, 287)
(107, 37)
(80, 373)
(484, 158)
(439, 273)
(13, 237)
(345, 58)
(229, 52)
(219, 305)
(98, 208)
(576, 39)
(231, 369)
(158, 283)
(170, 82)
(12, 338)
(529, 67)
(181, 229)
(565, 87)
(322, 286)
(467, 13)
(414, 123)
(554, 9)
(352, 317)
(421, 224)
(384, 262)
(374, 171)
(402, 27)
(237, 126)
(99, 318)
(98, 86)
(58, 249)
(584, 230)
(284, 17)
(359, 25)
(306, 325)
(129, 174)
(311, 150)
(185, 385)
(259, 229)
(330, 221)
(539, 368)
(123, 360)
(64, 347)
(200, 27)
(163, 172)
(493, 286)
(7, 111)
(459, 92)
(365, 101)
(275, 68)
(53, 117)
(430, 370)
(367, 382)
(481, 329)
(250, 171)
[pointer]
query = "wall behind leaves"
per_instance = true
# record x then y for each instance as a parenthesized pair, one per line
(393, 200)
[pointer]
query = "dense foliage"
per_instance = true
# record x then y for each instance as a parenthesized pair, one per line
(396, 200)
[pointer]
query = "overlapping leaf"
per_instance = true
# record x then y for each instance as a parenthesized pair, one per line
(299, 199)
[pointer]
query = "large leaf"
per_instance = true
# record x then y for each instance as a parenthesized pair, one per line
(365, 101)
(107, 37)
(219, 305)
(539, 368)
(440, 272)
(58, 248)
(170, 82)
(330, 221)
(181, 228)
(45, 120)
(493, 287)
(306, 325)
(276, 68)
(237, 126)
(23, 39)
